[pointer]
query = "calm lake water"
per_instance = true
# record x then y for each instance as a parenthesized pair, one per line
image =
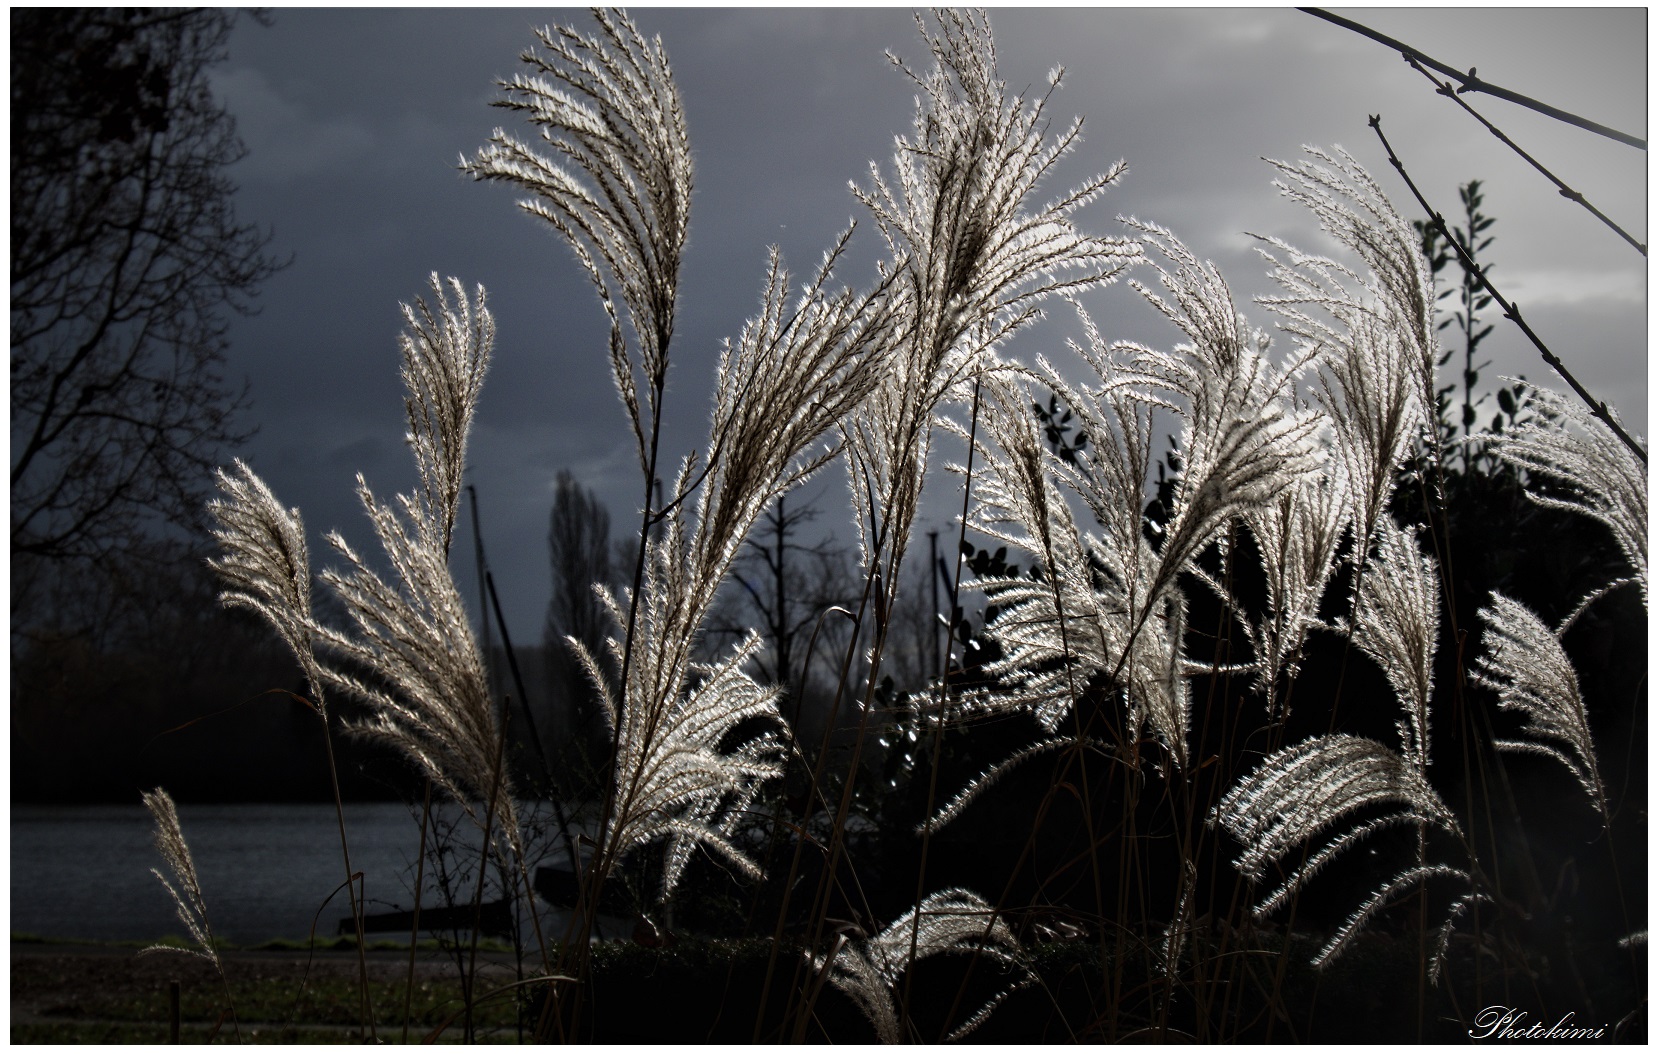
(84, 871)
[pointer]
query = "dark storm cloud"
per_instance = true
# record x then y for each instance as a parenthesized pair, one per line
(355, 120)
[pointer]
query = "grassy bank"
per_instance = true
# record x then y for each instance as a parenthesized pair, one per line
(709, 992)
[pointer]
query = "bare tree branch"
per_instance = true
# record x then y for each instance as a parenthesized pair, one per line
(1469, 81)
(126, 257)
(1447, 88)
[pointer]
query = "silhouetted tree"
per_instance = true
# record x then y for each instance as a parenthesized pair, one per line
(127, 257)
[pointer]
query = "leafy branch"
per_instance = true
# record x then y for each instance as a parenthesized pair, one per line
(1509, 309)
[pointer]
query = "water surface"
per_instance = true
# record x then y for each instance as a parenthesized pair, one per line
(84, 871)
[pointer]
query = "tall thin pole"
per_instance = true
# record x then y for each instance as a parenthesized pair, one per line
(934, 601)
(484, 597)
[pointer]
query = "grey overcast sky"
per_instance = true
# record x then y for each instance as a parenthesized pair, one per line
(355, 120)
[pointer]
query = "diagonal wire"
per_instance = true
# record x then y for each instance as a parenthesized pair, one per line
(1469, 81)
(1510, 308)
(1447, 88)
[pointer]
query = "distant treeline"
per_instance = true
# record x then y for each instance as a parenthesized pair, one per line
(141, 679)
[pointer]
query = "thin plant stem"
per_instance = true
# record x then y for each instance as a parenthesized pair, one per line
(940, 712)
(415, 916)
(839, 823)
(484, 864)
(778, 823)
(554, 790)
(580, 925)
(866, 599)
(364, 1006)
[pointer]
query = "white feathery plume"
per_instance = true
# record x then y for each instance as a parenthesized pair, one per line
(964, 798)
(1017, 504)
(796, 369)
(445, 349)
(1368, 386)
(421, 671)
(1243, 442)
(1602, 478)
(1380, 897)
(1306, 789)
(187, 895)
(956, 213)
(1080, 621)
(950, 920)
(1396, 619)
(682, 787)
(1378, 353)
(1352, 208)
(1445, 934)
(618, 188)
(1298, 536)
(617, 184)
(1176, 934)
(1302, 790)
(973, 259)
(264, 563)
(430, 695)
(1524, 662)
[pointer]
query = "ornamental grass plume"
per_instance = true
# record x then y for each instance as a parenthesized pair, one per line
(188, 901)
(617, 186)
(1373, 331)
(1017, 504)
(263, 561)
(1396, 620)
(1074, 620)
(951, 920)
(1244, 444)
(973, 257)
(445, 351)
(1592, 471)
(1303, 790)
(796, 369)
(411, 655)
(1307, 789)
(1396, 286)
(1298, 535)
(1524, 662)
(679, 777)
(1371, 335)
